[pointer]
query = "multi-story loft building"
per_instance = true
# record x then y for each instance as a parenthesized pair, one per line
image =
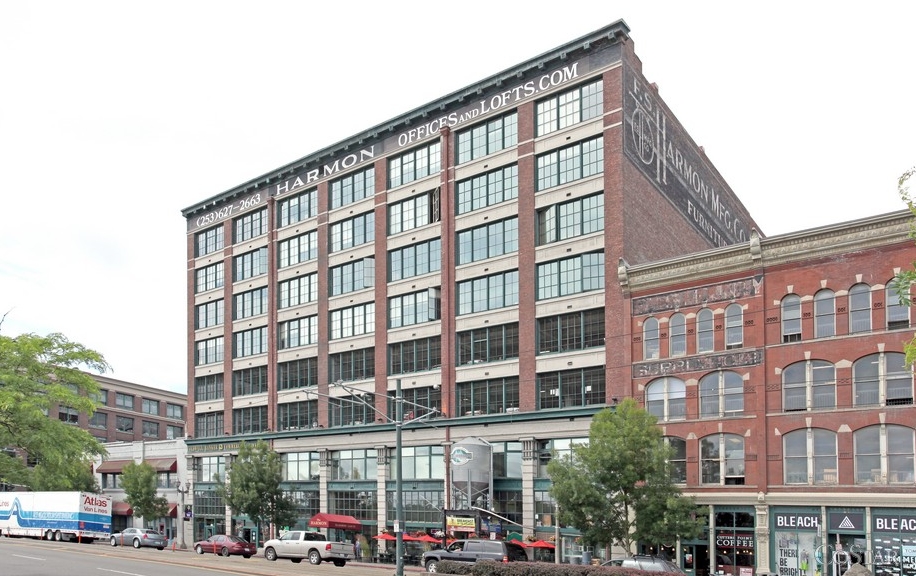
(130, 412)
(454, 262)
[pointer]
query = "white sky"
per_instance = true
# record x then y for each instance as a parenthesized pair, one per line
(115, 115)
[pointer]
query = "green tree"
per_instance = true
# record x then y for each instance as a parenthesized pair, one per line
(252, 486)
(139, 482)
(905, 278)
(617, 489)
(38, 376)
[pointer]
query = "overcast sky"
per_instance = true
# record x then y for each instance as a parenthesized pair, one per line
(116, 115)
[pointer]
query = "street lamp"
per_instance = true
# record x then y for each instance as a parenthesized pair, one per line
(182, 490)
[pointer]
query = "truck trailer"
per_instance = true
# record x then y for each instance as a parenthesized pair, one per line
(59, 516)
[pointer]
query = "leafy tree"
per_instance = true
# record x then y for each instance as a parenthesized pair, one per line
(252, 486)
(141, 491)
(906, 278)
(39, 374)
(617, 489)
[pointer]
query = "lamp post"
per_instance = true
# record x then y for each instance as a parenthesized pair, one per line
(182, 490)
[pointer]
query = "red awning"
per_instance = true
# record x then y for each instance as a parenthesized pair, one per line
(335, 521)
(122, 509)
(173, 510)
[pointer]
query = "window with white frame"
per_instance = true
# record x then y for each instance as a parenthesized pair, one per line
(884, 454)
(810, 456)
(721, 394)
(722, 459)
(824, 313)
(882, 379)
(666, 398)
(896, 307)
(791, 318)
(859, 308)
(705, 331)
(650, 342)
(734, 326)
(677, 335)
(677, 459)
(809, 385)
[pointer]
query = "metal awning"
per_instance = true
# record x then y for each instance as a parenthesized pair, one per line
(112, 466)
(121, 509)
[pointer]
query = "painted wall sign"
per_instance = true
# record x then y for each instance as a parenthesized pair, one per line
(701, 296)
(697, 363)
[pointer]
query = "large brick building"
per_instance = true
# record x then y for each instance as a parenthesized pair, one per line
(510, 259)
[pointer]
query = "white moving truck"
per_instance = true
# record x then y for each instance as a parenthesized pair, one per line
(60, 516)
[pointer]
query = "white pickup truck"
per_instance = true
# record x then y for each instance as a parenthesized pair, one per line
(299, 544)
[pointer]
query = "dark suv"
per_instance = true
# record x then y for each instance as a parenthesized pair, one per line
(647, 563)
(474, 550)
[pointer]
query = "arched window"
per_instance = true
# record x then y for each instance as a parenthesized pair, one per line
(734, 326)
(677, 335)
(882, 379)
(721, 394)
(677, 461)
(808, 385)
(810, 453)
(884, 454)
(650, 339)
(859, 308)
(898, 312)
(824, 314)
(666, 398)
(705, 336)
(722, 459)
(791, 318)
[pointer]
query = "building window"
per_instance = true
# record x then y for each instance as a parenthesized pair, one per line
(68, 415)
(298, 291)
(353, 187)
(251, 303)
(298, 332)
(573, 331)
(898, 311)
(416, 355)
(414, 212)
(297, 208)
(859, 308)
(494, 396)
(208, 278)
(352, 365)
(488, 344)
(250, 226)
(650, 340)
(705, 331)
(301, 466)
(249, 265)
(297, 374)
(150, 406)
(791, 318)
(415, 260)
(249, 420)
(98, 420)
(150, 429)
(413, 308)
(209, 314)
(416, 402)
(571, 388)
(414, 165)
(569, 164)
(666, 398)
(809, 385)
(354, 464)
(677, 459)
(824, 314)
(488, 138)
(487, 189)
(575, 275)
(570, 219)
(722, 459)
(488, 241)
(734, 326)
(352, 232)
(249, 381)
(488, 293)
(174, 411)
(101, 397)
(124, 424)
(297, 416)
(208, 388)
(677, 335)
(250, 342)
(353, 276)
(209, 241)
(884, 454)
(810, 455)
(878, 377)
(351, 411)
(208, 425)
(569, 108)
(721, 394)
(353, 321)
(125, 401)
(297, 249)
(423, 462)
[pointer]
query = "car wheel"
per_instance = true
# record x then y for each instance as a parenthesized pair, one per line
(431, 566)
(136, 542)
(199, 549)
(314, 557)
(270, 554)
(114, 541)
(224, 551)
(58, 536)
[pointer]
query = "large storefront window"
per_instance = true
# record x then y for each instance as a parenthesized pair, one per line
(734, 541)
(795, 535)
(893, 542)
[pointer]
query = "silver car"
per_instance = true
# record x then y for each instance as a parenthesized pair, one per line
(139, 538)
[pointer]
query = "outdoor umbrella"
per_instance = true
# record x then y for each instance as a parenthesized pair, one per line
(385, 536)
(540, 544)
(430, 539)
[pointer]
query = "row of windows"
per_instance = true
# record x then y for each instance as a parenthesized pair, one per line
(414, 308)
(704, 328)
(128, 401)
(488, 241)
(353, 276)
(581, 273)
(415, 260)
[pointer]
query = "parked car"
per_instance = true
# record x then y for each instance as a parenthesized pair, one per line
(647, 563)
(299, 544)
(225, 545)
(139, 538)
(474, 550)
